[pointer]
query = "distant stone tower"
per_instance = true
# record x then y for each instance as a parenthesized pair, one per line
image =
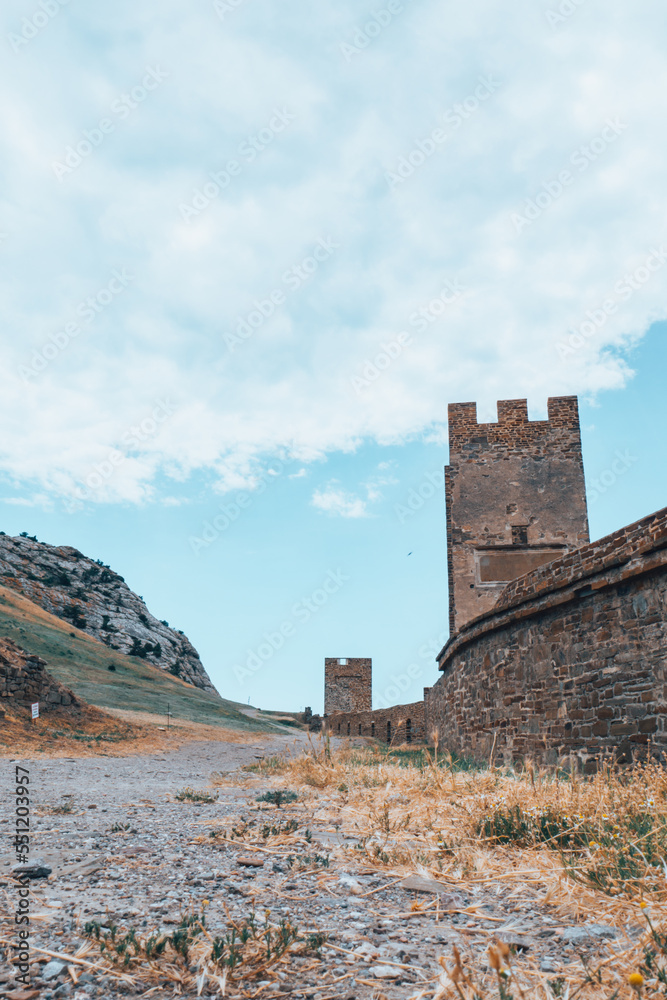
(347, 685)
(516, 498)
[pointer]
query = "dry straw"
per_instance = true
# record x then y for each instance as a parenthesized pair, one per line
(576, 849)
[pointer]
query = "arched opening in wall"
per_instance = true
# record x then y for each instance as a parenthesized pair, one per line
(348, 729)
(408, 731)
(372, 729)
(389, 732)
(360, 729)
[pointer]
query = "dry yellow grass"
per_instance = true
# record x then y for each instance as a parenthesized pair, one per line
(577, 849)
(92, 732)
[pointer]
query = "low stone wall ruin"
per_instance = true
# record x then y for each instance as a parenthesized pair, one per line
(24, 681)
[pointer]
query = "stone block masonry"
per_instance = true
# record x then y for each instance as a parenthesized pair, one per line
(515, 495)
(571, 660)
(394, 726)
(24, 681)
(347, 684)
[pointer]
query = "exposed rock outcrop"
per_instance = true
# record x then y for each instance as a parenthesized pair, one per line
(96, 600)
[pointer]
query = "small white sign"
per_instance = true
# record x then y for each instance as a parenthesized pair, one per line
(35, 710)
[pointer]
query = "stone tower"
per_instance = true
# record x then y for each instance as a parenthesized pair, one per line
(516, 498)
(347, 685)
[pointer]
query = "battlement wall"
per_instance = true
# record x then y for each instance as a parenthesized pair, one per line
(513, 428)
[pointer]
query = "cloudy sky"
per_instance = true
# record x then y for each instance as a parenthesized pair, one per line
(249, 254)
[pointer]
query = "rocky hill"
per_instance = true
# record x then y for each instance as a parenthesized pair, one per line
(94, 599)
(109, 680)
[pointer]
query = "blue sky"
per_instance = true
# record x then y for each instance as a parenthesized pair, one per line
(248, 257)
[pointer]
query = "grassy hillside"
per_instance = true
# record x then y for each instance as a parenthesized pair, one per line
(82, 663)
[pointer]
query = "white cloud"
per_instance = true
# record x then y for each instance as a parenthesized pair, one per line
(287, 389)
(41, 500)
(333, 499)
(382, 477)
(338, 502)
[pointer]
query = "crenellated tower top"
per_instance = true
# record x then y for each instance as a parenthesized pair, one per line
(516, 498)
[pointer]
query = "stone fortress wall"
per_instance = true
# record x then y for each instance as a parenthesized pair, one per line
(572, 659)
(558, 646)
(395, 725)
